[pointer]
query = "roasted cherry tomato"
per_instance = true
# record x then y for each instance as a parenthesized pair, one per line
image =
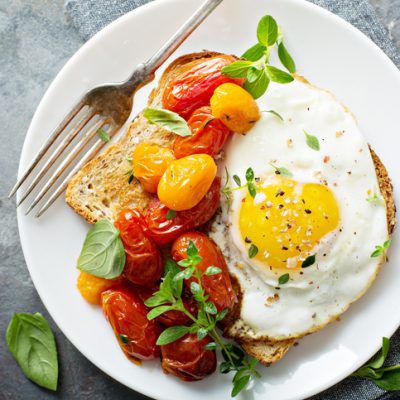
(235, 107)
(149, 164)
(209, 135)
(127, 315)
(186, 181)
(164, 230)
(187, 359)
(193, 88)
(144, 265)
(91, 287)
(219, 286)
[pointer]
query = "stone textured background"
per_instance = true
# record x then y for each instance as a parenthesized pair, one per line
(35, 42)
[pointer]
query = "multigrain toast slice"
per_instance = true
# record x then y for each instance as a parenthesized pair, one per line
(101, 189)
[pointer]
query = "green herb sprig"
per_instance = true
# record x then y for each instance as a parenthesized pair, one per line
(281, 171)
(168, 120)
(255, 67)
(251, 185)
(169, 297)
(381, 250)
(375, 198)
(387, 378)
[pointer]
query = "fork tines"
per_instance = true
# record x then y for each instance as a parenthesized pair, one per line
(75, 133)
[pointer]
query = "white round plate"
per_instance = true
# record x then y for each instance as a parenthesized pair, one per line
(331, 54)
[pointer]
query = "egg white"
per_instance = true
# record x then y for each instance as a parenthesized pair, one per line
(344, 268)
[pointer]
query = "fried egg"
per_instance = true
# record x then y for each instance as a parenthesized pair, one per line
(301, 248)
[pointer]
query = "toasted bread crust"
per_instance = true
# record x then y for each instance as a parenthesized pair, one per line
(101, 189)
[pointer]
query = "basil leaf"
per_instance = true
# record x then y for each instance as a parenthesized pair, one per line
(210, 308)
(191, 250)
(156, 300)
(312, 141)
(201, 333)
(259, 86)
(252, 74)
(274, 113)
(103, 135)
(237, 180)
(308, 261)
(252, 189)
(286, 59)
(239, 385)
(255, 52)
(283, 279)
(277, 75)
(210, 346)
(267, 31)
(249, 174)
(221, 315)
(380, 359)
(237, 69)
(171, 214)
(185, 274)
(155, 312)
(31, 342)
(213, 271)
(389, 381)
(253, 250)
(168, 120)
(172, 334)
(102, 253)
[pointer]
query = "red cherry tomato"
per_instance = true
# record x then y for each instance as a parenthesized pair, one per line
(193, 88)
(219, 286)
(127, 315)
(209, 135)
(164, 230)
(143, 264)
(187, 359)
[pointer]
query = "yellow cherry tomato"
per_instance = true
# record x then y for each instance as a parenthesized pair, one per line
(149, 164)
(91, 287)
(235, 107)
(186, 181)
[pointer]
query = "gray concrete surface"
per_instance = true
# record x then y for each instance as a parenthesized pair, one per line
(35, 42)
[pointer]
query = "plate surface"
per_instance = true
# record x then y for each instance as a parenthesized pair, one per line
(331, 54)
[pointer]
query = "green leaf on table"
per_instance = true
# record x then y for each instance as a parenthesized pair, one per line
(31, 342)
(102, 253)
(168, 120)
(286, 59)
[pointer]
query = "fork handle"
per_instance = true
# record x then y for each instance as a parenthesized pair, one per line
(144, 73)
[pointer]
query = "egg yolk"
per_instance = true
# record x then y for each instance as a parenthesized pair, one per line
(286, 220)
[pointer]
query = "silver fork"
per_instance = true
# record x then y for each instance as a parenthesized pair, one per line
(105, 107)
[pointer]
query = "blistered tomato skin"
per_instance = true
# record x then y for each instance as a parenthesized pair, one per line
(235, 107)
(164, 230)
(193, 88)
(127, 315)
(149, 164)
(219, 286)
(91, 287)
(187, 359)
(209, 135)
(186, 181)
(143, 265)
